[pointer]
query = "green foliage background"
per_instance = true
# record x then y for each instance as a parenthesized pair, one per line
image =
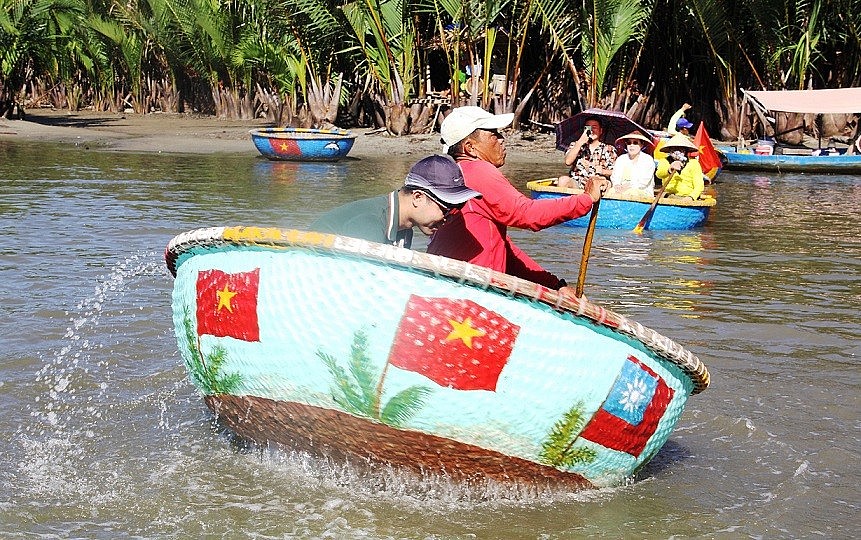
(285, 58)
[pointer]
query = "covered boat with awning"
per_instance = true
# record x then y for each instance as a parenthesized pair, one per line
(767, 156)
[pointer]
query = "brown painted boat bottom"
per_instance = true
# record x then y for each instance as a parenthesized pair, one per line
(333, 434)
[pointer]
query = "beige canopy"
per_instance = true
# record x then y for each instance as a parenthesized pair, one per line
(827, 101)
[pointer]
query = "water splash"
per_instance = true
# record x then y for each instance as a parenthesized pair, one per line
(66, 436)
(382, 483)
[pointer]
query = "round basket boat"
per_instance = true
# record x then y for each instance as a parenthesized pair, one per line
(625, 211)
(303, 144)
(348, 348)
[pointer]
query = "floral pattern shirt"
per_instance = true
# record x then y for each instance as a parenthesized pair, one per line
(604, 153)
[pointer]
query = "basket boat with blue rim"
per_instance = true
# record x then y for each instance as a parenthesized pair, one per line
(625, 211)
(303, 144)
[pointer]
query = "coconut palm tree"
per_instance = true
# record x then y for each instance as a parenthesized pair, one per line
(609, 25)
(39, 38)
(383, 34)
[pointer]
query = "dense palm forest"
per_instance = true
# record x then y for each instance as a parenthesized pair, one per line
(394, 63)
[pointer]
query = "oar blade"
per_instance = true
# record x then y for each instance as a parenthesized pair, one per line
(644, 221)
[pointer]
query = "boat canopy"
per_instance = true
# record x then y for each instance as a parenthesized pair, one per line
(826, 101)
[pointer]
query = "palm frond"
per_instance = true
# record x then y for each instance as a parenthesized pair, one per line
(558, 448)
(404, 405)
(345, 392)
(206, 373)
(361, 368)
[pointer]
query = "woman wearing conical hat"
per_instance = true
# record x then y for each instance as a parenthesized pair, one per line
(634, 171)
(680, 170)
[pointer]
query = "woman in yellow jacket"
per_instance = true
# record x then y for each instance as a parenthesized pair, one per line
(680, 172)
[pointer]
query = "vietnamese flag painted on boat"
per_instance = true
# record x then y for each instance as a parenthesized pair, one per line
(285, 147)
(630, 414)
(456, 343)
(708, 156)
(227, 304)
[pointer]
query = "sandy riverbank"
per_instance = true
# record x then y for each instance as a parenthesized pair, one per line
(179, 133)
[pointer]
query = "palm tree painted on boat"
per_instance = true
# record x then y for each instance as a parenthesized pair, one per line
(359, 390)
(558, 448)
(206, 370)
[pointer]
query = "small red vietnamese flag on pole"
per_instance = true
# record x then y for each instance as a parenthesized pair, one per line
(708, 157)
(227, 304)
(455, 343)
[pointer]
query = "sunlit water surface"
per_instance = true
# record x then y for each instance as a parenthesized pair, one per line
(106, 438)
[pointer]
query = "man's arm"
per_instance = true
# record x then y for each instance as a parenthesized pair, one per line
(512, 208)
(523, 266)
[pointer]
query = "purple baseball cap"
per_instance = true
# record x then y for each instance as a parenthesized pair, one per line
(442, 178)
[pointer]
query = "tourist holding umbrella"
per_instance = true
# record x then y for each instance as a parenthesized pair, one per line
(588, 156)
(611, 124)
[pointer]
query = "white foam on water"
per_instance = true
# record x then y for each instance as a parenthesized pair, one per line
(429, 491)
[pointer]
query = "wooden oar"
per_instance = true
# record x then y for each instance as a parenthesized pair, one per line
(587, 247)
(648, 215)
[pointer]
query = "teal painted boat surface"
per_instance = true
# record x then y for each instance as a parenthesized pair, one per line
(625, 212)
(347, 348)
(834, 164)
(303, 144)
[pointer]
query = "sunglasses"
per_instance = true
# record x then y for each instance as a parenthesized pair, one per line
(494, 132)
(446, 209)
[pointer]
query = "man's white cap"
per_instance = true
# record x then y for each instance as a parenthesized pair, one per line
(462, 121)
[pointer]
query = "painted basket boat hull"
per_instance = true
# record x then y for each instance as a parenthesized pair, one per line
(625, 213)
(841, 164)
(343, 347)
(303, 144)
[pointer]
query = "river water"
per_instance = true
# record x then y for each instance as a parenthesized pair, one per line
(105, 437)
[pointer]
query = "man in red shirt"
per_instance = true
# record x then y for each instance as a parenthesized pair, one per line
(479, 233)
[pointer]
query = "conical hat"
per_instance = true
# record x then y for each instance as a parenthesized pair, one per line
(634, 135)
(680, 141)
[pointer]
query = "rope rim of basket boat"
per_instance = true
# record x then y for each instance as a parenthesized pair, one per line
(471, 274)
(302, 133)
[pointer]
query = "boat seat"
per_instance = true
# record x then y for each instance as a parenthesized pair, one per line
(796, 151)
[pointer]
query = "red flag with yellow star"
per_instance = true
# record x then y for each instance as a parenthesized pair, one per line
(708, 157)
(227, 304)
(285, 147)
(455, 343)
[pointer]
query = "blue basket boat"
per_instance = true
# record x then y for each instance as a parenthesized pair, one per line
(303, 144)
(624, 212)
(351, 349)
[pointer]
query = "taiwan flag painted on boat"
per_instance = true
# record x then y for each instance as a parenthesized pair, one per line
(631, 412)
(456, 343)
(227, 304)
